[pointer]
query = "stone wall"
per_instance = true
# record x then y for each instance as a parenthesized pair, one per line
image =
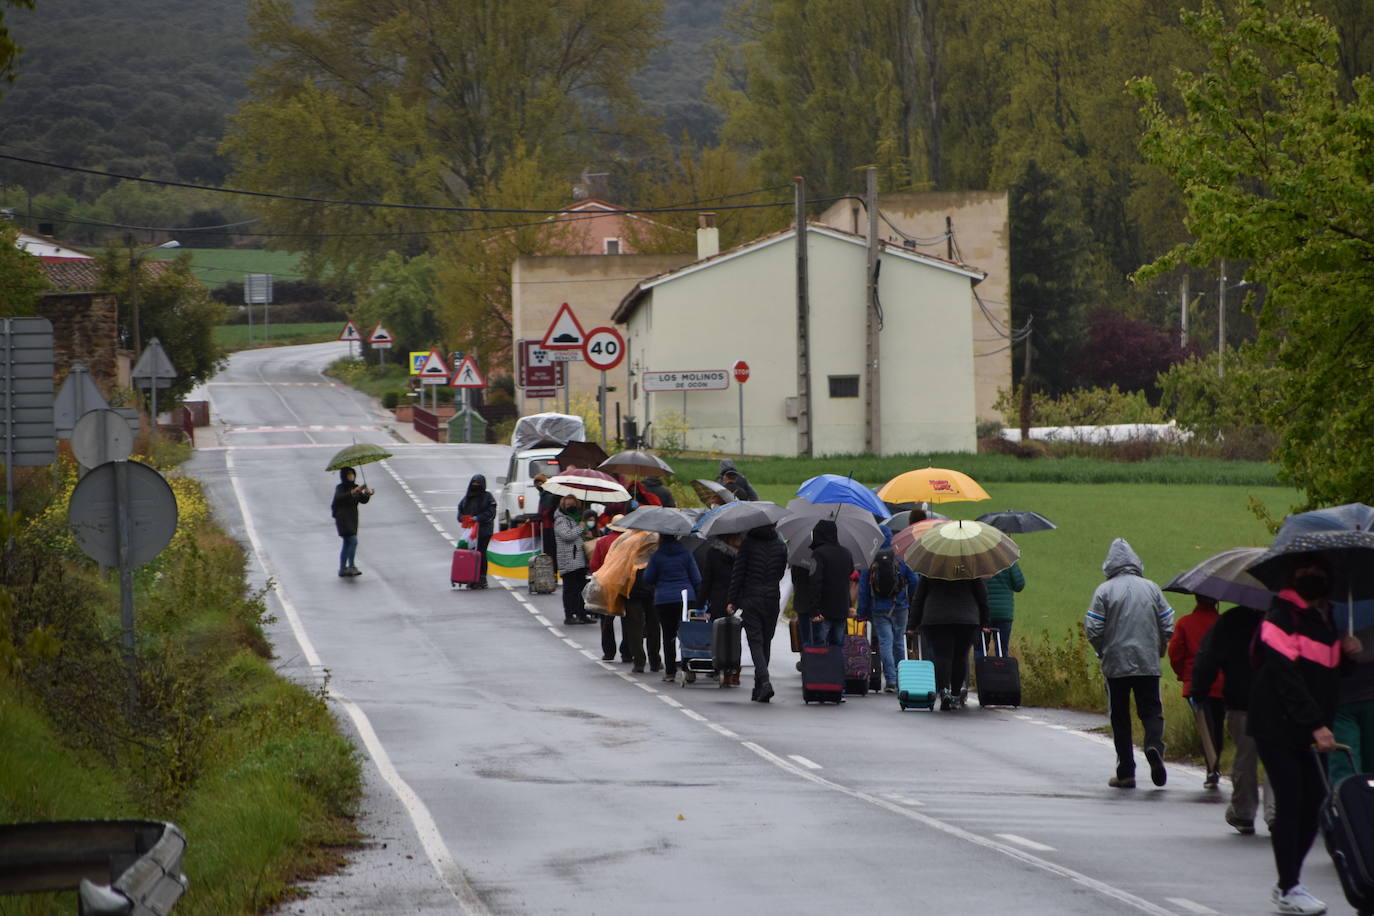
(85, 330)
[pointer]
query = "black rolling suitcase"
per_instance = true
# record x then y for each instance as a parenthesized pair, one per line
(725, 643)
(998, 676)
(1347, 825)
(822, 671)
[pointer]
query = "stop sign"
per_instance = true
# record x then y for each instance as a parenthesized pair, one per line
(741, 372)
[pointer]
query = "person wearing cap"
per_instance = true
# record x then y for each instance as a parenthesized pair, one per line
(735, 482)
(600, 548)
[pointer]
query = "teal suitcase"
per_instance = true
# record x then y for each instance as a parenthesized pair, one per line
(916, 682)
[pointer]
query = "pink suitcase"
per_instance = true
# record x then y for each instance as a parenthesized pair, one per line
(466, 566)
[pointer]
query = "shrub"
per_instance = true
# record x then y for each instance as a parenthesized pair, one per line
(1081, 407)
(1061, 672)
(390, 399)
(1225, 411)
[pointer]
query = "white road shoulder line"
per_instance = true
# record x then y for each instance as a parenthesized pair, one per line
(959, 833)
(1022, 841)
(809, 764)
(426, 830)
(692, 714)
(1183, 903)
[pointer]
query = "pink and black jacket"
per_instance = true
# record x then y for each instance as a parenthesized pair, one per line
(1297, 684)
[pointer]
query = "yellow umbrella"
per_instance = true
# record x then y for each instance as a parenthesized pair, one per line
(932, 485)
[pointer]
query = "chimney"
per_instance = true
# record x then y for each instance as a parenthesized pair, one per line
(708, 236)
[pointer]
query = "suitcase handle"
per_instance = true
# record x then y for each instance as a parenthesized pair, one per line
(1339, 749)
(993, 639)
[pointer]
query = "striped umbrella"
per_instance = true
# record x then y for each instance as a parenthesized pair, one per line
(902, 540)
(962, 550)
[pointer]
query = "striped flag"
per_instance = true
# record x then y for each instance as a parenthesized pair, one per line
(509, 551)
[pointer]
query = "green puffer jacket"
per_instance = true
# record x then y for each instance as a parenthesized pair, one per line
(1001, 601)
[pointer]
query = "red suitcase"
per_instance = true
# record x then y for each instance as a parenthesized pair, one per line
(467, 564)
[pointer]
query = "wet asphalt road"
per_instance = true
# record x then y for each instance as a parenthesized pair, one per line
(510, 770)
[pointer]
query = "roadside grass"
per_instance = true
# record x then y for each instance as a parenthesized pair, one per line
(215, 266)
(235, 336)
(987, 468)
(251, 766)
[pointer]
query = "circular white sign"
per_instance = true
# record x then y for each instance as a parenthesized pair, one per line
(604, 348)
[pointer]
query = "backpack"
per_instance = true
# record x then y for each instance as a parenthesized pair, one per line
(883, 579)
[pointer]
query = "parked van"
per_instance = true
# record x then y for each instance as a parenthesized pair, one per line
(536, 441)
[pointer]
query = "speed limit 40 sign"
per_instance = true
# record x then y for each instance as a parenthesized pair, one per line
(603, 349)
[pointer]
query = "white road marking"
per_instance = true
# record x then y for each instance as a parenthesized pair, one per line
(590, 654)
(554, 630)
(1022, 841)
(721, 730)
(670, 701)
(1183, 903)
(692, 714)
(426, 830)
(903, 800)
(645, 687)
(575, 645)
(809, 764)
(959, 833)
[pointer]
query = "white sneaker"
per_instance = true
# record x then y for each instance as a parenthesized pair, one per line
(1297, 902)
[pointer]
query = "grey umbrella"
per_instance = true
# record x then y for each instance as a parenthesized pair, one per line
(858, 532)
(1223, 578)
(657, 518)
(736, 517)
(902, 518)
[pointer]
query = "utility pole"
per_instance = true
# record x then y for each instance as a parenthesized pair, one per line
(1026, 384)
(949, 237)
(873, 423)
(133, 298)
(1183, 312)
(805, 444)
(1221, 322)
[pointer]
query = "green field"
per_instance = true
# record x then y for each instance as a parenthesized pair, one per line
(235, 336)
(1171, 527)
(214, 266)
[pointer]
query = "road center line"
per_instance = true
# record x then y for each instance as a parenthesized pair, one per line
(426, 830)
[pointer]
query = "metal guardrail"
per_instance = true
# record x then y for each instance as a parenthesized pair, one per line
(118, 868)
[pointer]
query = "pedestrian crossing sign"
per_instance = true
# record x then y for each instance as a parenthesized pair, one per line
(468, 375)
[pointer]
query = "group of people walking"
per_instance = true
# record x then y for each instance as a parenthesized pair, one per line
(1281, 681)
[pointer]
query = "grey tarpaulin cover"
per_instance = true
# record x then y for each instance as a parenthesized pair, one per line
(546, 429)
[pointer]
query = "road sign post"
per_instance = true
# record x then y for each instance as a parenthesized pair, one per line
(154, 368)
(741, 370)
(603, 349)
(381, 341)
(26, 398)
(257, 290)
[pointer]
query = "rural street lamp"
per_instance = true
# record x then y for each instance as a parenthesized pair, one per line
(134, 263)
(1222, 289)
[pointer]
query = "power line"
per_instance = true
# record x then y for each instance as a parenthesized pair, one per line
(435, 208)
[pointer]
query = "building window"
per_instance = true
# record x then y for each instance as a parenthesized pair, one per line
(844, 386)
(612, 246)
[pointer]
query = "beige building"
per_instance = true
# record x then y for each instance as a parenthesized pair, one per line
(741, 305)
(593, 284)
(978, 221)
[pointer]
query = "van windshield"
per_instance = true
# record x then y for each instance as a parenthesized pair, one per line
(545, 466)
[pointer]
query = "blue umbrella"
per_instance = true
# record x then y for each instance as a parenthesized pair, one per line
(832, 488)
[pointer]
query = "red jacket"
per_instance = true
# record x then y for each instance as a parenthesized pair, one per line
(600, 549)
(1187, 639)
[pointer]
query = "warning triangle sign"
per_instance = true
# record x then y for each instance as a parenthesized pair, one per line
(350, 331)
(566, 331)
(468, 375)
(433, 366)
(379, 335)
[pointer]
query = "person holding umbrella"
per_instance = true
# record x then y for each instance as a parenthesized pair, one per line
(348, 496)
(1129, 625)
(1292, 707)
(572, 559)
(754, 591)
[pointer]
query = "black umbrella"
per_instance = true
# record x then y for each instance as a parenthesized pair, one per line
(1017, 521)
(1350, 554)
(580, 455)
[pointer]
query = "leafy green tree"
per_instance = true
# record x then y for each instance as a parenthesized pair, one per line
(9, 51)
(401, 296)
(176, 308)
(1272, 153)
(21, 279)
(425, 102)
